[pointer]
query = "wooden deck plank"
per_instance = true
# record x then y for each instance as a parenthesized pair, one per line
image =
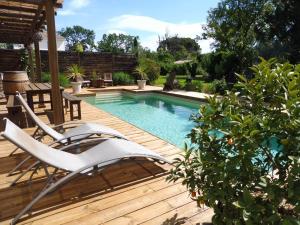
(125, 194)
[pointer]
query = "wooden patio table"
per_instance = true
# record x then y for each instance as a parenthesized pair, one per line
(33, 89)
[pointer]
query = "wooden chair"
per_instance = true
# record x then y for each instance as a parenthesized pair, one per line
(107, 77)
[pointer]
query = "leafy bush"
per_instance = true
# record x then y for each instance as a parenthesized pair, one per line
(220, 65)
(152, 68)
(63, 79)
(220, 86)
(121, 78)
(194, 85)
(245, 159)
(208, 88)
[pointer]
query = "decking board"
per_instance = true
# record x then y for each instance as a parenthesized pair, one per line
(125, 194)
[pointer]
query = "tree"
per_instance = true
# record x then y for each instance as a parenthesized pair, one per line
(281, 36)
(244, 160)
(249, 28)
(118, 43)
(78, 35)
(179, 48)
(233, 24)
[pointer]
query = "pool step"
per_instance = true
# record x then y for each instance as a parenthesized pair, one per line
(109, 97)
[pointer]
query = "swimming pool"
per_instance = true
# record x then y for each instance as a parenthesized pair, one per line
(164, 116)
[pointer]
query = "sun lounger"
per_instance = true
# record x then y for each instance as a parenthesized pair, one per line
(95, 159)
(82, 131)
(74, 134)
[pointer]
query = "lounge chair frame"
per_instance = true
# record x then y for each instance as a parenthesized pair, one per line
(11, 133)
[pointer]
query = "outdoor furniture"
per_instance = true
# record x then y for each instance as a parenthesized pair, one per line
(33, 89)
(84, 83)
(75, 133)
(14, 109)
(71, 100)
(13, 106)
(107, 78)
(94, 160)
(81, 131)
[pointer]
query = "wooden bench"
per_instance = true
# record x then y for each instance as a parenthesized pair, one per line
(72, 100)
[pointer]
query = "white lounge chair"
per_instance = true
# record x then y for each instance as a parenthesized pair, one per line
(74, 134)
(95, 159)
(81, 131)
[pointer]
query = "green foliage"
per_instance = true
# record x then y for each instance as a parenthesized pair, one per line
(165, 60)
(219, 65)
(63, 79)
(247, 29)
(94, 75)
(24, 60)
(121, 78)
(194, 85)
(151, 68)
(78, 35)
(220, 86)
(75, 72)
(245, 159)
(118, 43)
(181, 68)
(6, 46)
(78, 48)
(140, 71)
(179, 48)
(208, 88)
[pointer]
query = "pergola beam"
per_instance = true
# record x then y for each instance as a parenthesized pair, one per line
(56, 3)
(17, 15)
(58, 115)
(16, 8)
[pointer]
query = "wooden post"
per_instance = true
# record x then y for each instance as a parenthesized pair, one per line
(30, 58)
(53, 63)
(38, 70)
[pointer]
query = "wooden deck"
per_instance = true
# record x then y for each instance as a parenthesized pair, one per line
(125, 194)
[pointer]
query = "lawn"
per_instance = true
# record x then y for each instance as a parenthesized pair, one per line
(162, 80)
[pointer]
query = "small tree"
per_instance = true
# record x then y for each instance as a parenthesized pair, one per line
(245, 159)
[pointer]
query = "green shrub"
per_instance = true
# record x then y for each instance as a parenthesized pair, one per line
(122, 78)
(194, 85)
(220, 86)
(245, 159)
(63, 79)
(152, 69)
(208, 88)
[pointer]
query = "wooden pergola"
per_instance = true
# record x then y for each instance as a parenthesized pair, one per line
(20, 21)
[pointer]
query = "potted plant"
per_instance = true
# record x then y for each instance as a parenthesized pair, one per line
(94, 78)
(75, 74)
(142, 76)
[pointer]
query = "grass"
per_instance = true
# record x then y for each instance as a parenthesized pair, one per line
(181, 79)
(162, 80)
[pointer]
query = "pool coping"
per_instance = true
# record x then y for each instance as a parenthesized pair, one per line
(94, 92)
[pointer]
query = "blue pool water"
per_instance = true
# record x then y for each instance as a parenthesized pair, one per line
(164, 116)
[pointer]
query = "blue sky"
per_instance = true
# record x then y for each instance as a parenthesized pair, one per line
(145, 18)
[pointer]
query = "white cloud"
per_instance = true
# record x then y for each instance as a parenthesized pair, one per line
(74, 5)
(67, 12)
(77, 4)
(158, 28)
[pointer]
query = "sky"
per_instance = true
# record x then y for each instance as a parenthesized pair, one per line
(147, 19)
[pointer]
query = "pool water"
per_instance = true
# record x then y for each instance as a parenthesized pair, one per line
(166, 117)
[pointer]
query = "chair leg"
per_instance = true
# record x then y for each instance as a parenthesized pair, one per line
(18, 166)
(43, 193)
(22, 174)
